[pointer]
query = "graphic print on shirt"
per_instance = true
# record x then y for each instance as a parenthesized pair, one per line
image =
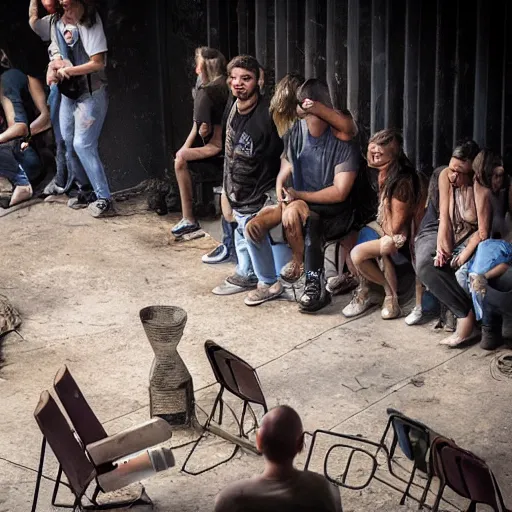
(245, 145)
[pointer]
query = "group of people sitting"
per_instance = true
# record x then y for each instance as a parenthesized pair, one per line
(74, 104)
(296, 191)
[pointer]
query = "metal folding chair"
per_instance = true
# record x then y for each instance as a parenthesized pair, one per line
(414, 439)
(233, 374)
(467, 475)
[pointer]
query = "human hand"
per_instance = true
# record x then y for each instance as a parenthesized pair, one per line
(457, 261)
(204, 130)
(441, 258)
(24, 145)
(289, 194)
(63, 73)
(309, 106)
(387, 245)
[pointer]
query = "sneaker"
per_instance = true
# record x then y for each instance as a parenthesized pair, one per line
(361, 302)
(100, 208)
(218, 255)
(235, 284)
(292, 271)
(263, 293)
(184, 226)
(315, 295)
(390, 308)
(78, 202)
(415, 316)
(52, 189)
(340, 285)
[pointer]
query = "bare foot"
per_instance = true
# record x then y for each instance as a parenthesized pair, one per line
(21, 193)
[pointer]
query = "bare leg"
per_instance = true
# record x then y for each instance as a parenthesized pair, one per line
(186, 191)
(21, 193)
(419, 292)
(391, 285)
(294, 217)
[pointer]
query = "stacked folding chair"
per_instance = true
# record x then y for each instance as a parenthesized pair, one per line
(430, 453)
(86, 453)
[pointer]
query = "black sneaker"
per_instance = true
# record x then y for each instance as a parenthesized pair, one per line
(100, 208)
(315, 296)
(184, 227)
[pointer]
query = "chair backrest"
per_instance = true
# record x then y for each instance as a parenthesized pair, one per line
(84, 421)
(467, 475)
(413, 437)
(55, 428)
(235, 374)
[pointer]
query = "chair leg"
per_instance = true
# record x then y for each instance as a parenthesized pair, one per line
(406, 493)
(39, 475)
(423, 498)
(439, 496)
(56, 486)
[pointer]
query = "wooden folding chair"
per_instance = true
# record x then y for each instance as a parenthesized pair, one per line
(236, 376)
(102, 448)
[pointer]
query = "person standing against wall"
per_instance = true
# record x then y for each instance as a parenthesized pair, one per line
(78, 32)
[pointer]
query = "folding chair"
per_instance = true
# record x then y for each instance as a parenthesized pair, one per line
(467, 475)
(72, 459)
(101, 448)
(233, 374)
(414, 439)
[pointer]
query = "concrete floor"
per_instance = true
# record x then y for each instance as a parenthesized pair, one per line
(80, 283)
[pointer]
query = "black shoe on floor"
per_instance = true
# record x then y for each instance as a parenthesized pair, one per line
(491, 338)
(315, 296)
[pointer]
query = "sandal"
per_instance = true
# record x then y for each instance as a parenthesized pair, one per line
(390, 308)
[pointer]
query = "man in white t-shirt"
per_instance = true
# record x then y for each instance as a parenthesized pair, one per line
(281, 487)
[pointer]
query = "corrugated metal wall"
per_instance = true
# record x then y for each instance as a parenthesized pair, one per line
(437, 69)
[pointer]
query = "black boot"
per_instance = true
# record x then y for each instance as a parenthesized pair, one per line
(315, 295)
(491, 337)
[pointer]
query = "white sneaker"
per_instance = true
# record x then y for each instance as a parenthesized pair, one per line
(415, 316)
(361, 302)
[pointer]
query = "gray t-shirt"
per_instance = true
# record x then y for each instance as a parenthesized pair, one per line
(316, 160)
(304, 492)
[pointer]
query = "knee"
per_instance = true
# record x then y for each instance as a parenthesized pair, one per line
(81, 146)
(180, 166)
(356, 255)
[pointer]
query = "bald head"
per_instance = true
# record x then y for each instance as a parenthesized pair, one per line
(280, 436)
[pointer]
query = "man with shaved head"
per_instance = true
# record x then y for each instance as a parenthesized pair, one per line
(281, 487)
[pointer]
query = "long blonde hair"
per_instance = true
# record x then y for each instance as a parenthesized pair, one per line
(213, 64)
(283, 105)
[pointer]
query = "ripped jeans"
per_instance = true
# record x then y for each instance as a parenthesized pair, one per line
(81, 122)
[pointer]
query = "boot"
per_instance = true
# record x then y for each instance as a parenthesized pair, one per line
(491, 337)
(315, 296)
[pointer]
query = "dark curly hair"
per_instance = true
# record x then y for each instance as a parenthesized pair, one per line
(88, 18)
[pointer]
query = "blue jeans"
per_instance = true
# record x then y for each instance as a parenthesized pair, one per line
(262, 259)
(10, 168)
(62, 179)
(81, 122)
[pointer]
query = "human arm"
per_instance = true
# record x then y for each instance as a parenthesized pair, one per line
(445, 233)
(484, 214)
(33, 17)
(343, 124)
(14, 129)
(336, 193)
(213, 148)
(284, 173)
(95, 64)
(42, 122)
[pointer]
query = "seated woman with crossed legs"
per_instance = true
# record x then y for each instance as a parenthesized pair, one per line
(402, 201)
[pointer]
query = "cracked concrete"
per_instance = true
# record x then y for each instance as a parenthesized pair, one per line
(80, 283)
